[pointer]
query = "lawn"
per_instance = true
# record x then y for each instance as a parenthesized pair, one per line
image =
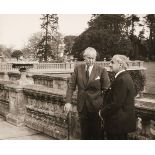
(150, 77)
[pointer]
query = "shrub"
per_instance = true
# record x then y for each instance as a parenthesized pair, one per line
(138, 78)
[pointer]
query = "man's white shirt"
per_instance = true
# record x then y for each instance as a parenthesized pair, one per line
(119, 73)
(90, 69)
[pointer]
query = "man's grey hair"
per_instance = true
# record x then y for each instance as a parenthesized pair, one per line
(90, 51)
(122, 59)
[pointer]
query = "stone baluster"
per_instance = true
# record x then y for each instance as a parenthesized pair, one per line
(6, 77)
(8, 66)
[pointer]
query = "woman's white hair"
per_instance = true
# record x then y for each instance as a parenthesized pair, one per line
(89, 51)
(122, 59)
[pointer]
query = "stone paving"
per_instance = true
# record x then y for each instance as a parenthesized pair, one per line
(11, 132)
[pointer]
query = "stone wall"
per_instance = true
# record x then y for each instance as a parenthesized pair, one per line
(44, 112)
(58, 81)
(4, 99)
(40, 107)
(145, 110)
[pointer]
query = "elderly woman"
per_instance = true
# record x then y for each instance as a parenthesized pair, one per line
(118, 110)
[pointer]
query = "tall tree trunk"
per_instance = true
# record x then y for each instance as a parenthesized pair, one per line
(151, 42)
(45, 54)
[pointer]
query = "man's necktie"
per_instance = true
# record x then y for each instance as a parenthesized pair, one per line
(87, 73)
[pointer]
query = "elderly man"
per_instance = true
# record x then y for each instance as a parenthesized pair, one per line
(92, 81)
(118, 110)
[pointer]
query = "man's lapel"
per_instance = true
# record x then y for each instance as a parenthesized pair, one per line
(83, 69)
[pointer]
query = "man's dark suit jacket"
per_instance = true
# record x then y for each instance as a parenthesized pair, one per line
(91, 92)
(118, 110)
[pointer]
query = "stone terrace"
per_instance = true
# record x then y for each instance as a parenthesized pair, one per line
(39, 107)
(11, 132)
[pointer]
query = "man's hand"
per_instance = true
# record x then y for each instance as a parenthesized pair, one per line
(68, 107)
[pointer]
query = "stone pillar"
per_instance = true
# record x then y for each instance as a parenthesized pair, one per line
(16, 113)
(30, 78)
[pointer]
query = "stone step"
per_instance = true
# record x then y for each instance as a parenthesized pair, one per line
(11, 132)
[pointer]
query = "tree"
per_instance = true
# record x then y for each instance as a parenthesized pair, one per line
(49, 25)
(31, 48)
(52, 47)
(5, 51)
(143, 44)
(16, 54)
(131, 22)
(150, 21)
(69, 41)
(55, 45)
(106, 33)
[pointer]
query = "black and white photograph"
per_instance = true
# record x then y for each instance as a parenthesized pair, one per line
(90, 82)
(77, 76)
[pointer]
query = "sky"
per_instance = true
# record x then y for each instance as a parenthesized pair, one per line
(15, 29)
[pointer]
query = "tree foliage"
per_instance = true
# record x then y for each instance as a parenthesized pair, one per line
(150, 22)
(132, 21)
(109, 34)
(5, 51)
(49, 26)
(17, 54)
(31, 48)
(113, 34)
(69, 41)
(106, 33)
(52, 47)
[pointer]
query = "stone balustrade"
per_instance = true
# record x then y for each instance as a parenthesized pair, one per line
(58, 81)
(4, 99)
(133, 65)
(6, 67)
(57, 66)
(44, 112)
(68, 65)
(145, 110)
(40, 106)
